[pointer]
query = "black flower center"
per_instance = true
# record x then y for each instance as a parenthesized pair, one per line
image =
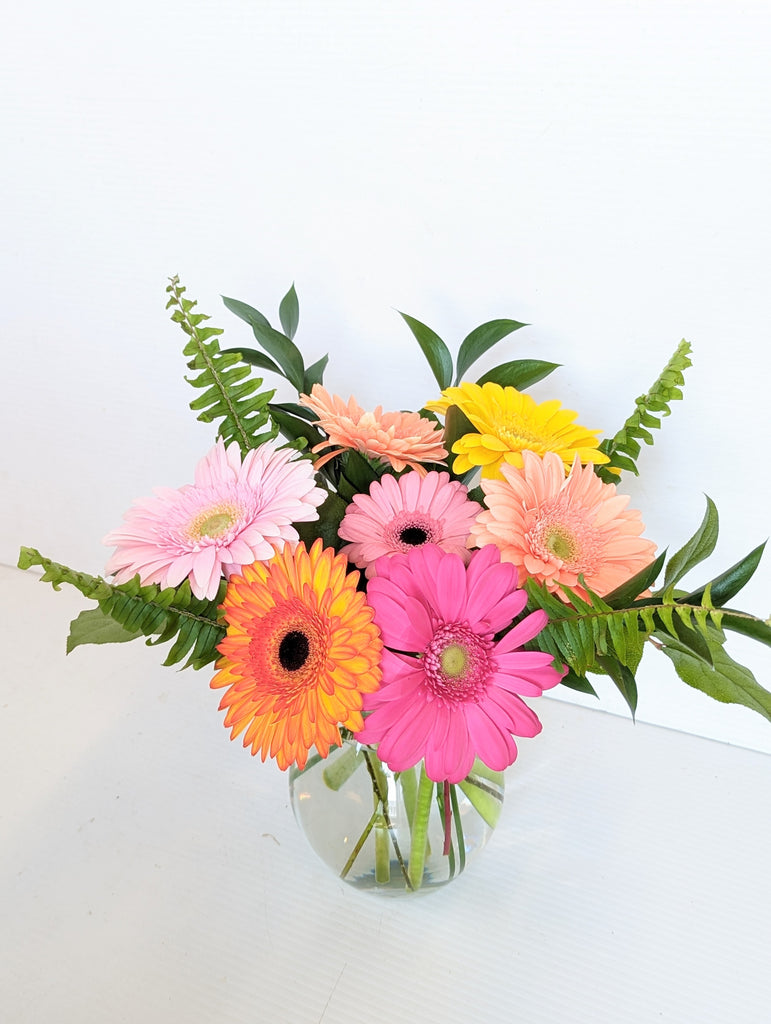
(293, 650)
(413, 535)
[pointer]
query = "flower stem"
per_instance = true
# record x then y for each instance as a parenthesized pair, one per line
(361, 841)
(420, 829)
(380, 788)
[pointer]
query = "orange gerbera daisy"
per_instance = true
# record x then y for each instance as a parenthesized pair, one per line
(400, 439)
(300, 652)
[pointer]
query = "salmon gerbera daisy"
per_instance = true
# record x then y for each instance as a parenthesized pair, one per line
(509, 423)
(300, 653)
(399, 439)
(457, 695)
(404, 513)
(556, 529)
(238, 510)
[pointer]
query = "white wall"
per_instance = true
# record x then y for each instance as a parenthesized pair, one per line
(599, 170)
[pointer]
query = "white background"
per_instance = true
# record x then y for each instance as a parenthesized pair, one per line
(599, 170)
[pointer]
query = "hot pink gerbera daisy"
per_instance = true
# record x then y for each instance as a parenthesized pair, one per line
(400, 439)
(555, 528)
(457, 696)
(237, 512)
(398, 515)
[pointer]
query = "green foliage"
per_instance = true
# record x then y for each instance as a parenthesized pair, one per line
(608, 635)
(480, 340)
(519, 373)
(171, 614)
(434, 349)
(624, 449)
(229, 393)
(284, 357)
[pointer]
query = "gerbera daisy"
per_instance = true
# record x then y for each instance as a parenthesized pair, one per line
(237, 511)
(508, 423)
(555, 529)
(300, 651)
(457, 697)
(398, 515)
(400, 439)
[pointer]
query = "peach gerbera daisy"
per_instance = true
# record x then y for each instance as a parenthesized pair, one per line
(555, 529)
(509, 423)
(400, 439)
(300, 652)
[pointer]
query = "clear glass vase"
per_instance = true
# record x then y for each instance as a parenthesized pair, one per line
(388, 832)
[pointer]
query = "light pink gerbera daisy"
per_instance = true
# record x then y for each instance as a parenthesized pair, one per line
(555, 528)
(400, 439)
(237, 512)
(457, 697)
(398, 515)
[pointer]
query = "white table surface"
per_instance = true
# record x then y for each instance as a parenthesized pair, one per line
(151, 871)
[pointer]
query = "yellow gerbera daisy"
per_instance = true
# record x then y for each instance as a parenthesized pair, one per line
(509, 422)
(300, 652)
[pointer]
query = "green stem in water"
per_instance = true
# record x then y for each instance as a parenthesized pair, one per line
(361, 841)
(380, 788)
(420, 829)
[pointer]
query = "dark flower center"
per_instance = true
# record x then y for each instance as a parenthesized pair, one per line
(293, 650)
(413, 535)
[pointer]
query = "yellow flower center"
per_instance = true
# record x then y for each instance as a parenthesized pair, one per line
(454, 661)
(562, 544)
(214, 522)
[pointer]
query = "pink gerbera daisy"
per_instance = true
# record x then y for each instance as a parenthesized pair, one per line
(555, 528)
(398, 515)
(457, 696)
(237, 512)
(400, 439)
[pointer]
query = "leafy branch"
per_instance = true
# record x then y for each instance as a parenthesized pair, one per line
(624, 448)
(129, 610)
(607, 635)
(231, 394)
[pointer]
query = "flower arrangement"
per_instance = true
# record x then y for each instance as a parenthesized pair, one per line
(402, 580)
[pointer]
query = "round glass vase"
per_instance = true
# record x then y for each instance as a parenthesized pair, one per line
(394, 833)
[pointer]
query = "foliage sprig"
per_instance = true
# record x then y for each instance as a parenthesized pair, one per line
(129, 610)
(624, 449)
(229, 392)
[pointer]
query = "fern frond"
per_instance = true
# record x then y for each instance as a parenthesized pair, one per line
(624, 449)
(229, 392)
(171, 614)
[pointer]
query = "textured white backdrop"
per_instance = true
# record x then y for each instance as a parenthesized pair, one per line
(598, 170)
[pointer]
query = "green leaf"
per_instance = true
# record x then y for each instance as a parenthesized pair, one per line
(480, 340)
(729, 583)
(92, 626)
(623, 679)
(456, 425)
(255, 358)
(289, 313)
(623, 595)
(314, 374)
(519, 373)
(724, 680)
(699, 547)
(747, 625)
(580, 683)
(278, 345)
(294, 427)
(434, 349)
